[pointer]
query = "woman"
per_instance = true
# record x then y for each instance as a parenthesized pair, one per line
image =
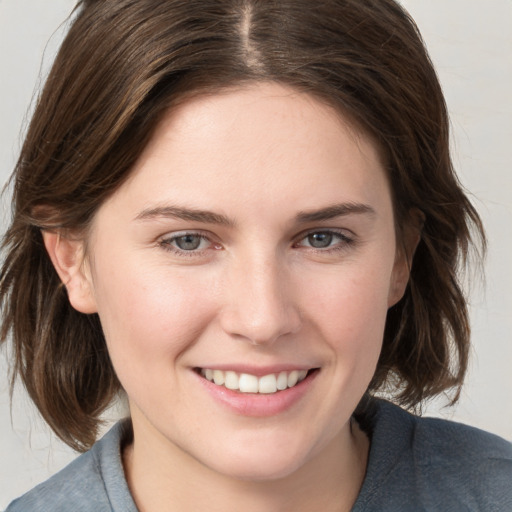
(243, 215)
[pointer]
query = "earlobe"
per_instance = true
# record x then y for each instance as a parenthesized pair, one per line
(399, 279)
(404, 256)
(67, 256)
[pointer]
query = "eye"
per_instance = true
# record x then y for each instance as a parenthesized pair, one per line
(325, 240)
(320, 240)
(186, 243)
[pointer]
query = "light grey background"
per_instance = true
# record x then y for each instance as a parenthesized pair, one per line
(471, 44)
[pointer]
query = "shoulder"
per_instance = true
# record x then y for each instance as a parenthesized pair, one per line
(435, 464)
(66, 490)
(465, 462)
(92, 482)
(441, 442)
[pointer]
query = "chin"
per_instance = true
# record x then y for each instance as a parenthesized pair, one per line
(261, 461)
(260, 470)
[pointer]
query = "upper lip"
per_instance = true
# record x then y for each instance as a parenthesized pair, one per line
(258, 371)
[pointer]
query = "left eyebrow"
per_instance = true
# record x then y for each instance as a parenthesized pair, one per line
(333, 211)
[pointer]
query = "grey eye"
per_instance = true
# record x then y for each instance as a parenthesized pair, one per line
(188, 242)
(320, 240)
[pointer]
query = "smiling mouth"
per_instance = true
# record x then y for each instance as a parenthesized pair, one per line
(247, 383)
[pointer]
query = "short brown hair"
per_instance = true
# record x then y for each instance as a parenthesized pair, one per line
(123, 64)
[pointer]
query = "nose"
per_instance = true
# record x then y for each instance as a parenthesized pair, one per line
(259, 305)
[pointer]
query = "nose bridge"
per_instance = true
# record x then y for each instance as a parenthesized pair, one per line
(260, 306)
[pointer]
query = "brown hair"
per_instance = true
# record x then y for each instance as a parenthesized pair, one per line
(122, 65)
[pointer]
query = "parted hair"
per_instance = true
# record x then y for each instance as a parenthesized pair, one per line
(122, 66)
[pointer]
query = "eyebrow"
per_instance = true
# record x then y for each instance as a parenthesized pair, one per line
(333, 211)
(208, 217)
(191, 214)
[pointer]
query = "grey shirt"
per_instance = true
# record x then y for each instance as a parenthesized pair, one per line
(415, 464)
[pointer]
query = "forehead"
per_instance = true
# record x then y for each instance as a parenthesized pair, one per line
(256, 145)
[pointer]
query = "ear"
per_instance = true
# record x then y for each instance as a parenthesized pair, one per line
(67, 255)
(406, 247)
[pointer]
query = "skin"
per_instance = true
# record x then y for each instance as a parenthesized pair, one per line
(254, 292)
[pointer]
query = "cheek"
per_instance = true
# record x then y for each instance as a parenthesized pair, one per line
(350, 309)
(352, 303)
(150, 316)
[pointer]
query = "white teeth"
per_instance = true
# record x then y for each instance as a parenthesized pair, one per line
(218, 377)
(231, 380)
(282, 381)
(293, 377)
(268, 384)
(247, 383)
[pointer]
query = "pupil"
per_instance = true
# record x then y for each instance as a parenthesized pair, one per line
(188, 242)
(320, 240)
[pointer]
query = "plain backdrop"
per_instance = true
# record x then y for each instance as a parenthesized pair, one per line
(470, 42)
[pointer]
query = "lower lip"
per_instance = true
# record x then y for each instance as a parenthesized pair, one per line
(259, 404)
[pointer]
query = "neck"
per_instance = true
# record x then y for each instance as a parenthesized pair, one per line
(172, 480)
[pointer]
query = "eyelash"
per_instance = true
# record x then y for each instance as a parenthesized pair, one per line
(343, 242)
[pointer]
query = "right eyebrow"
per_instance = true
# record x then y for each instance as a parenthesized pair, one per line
(190, 214)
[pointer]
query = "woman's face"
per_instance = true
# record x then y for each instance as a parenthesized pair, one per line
(253, 245)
